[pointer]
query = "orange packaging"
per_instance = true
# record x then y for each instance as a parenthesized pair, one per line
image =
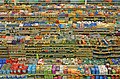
(83, 41)
(37, 37)
(108, 0)
(91, 14)
(47, 0)
(13, 0)
(106, 14)
(100, 13)
(69, 71)
(74, 26)
(80, 12)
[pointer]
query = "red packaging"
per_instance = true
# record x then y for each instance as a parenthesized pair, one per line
(19, 71)
(16, 65)
(92, 77)
(113, 77)
(117, 71)
(65, 71)
(24, 70)
(117, 77)
(46, 51)
(15, 70)
(12, 70)
(14, 60)
(21, 65)
(7, 61)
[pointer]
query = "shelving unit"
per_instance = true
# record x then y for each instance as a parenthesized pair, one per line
(55, 41)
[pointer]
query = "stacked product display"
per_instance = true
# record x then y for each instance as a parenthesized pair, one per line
(8, 67)
(59, 39)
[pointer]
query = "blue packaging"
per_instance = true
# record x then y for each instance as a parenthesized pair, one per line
(29, 66)
(24, 77)
(29, 71)
(14, 77)
(53, 24)
(101, 77)
(91, 25)
(3, 71)
(96, 66)
(113, 60)
(105, 77)
(34, 65)
(85, 24)
(1, 61)
(96, 77)
(7, 71)
(20, 77)
(61, 26)
(116, 62)
(79, 68)
(33, 69)
(20, 19)
(92, 70)
(27, 24)
(0, 71)
(7, 77)
(10, 77)
(119, 60)
(69, 10)
(115, 0)
(96, 71)
(1, 66)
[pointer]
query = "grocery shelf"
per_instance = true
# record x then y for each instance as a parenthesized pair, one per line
(64, 2)
(104, 2)
(69, 45)
(107, 56)
(103, 53)
(49, 54)
(56, 16)
(4, 9)
(80, 35)
(45, 2)
(106, 74)
(16, 55)
(89, 65)
(59, 74)
(3, 50)
(72, 74)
